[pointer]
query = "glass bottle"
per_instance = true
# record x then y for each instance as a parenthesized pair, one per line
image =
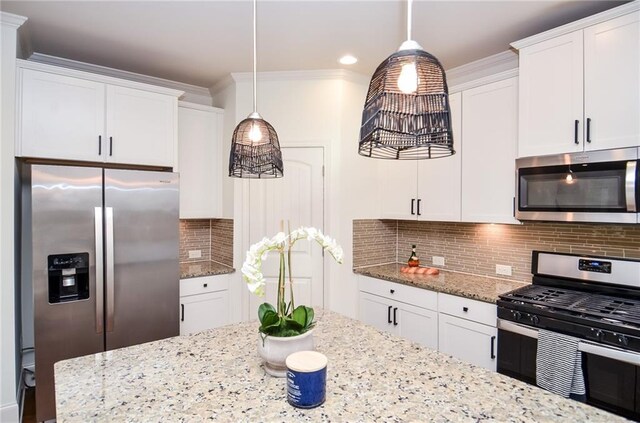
(414, 261)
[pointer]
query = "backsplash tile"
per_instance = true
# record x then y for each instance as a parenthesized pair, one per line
(374, 242)
(213, 237)
(477, 248)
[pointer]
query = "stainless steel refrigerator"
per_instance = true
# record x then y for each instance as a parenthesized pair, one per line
(104, 263)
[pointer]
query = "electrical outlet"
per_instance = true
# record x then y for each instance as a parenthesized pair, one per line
(502, 269)
(195, 254)
(438, 261)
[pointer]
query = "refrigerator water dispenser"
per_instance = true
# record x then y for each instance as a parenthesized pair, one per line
(68, 277)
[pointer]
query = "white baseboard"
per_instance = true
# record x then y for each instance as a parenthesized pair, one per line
(9, 413)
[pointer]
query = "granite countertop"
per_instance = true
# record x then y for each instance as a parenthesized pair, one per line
(195, 269)
(372, 376)
(476, 287)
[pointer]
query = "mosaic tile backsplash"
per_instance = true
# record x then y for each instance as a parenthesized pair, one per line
(477, 248)
(213, 237)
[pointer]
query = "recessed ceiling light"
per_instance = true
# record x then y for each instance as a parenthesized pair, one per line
(348, 59)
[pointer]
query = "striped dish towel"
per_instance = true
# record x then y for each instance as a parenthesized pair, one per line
(559, 365)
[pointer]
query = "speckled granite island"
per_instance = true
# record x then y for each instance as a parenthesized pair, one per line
(476, 287)
(372, 376)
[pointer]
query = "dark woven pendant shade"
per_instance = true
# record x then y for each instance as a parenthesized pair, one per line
(255, 158)
(397, 125)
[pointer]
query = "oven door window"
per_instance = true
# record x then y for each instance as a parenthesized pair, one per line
(596, 187)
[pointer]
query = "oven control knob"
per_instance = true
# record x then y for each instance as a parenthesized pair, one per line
(517, 315)
(535, 320)
(623, 340)
(599, 335)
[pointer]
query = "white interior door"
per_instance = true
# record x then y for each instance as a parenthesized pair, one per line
(297, 198)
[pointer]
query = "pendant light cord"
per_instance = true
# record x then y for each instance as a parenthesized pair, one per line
(255, 68)
(409, 7)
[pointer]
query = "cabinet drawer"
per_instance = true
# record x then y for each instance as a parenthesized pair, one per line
(398, 292)
(476, 311)
(203, 285)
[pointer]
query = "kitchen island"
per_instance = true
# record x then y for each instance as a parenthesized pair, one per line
(217, 375)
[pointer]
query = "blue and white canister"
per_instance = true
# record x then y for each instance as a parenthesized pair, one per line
(306, 379)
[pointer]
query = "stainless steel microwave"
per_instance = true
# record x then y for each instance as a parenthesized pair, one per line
(591, 186)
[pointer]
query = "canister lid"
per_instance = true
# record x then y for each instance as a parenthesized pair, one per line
(306, 361)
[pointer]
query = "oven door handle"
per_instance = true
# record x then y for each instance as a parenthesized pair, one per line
(630, 186)
(583, 346)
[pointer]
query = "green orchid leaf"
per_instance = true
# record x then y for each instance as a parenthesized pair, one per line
(264, 307)
(300, 315)
(293, 324)
(310, 315)
(270, 320)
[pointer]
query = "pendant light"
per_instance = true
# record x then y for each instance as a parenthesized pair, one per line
(255, 150)
(406, 113)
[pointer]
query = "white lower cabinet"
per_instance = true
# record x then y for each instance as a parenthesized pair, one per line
(204, 303)
(468, 341)
(384, 312)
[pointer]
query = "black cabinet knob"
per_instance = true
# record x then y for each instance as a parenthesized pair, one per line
(392, 291)
(205, 285)
(465, 309)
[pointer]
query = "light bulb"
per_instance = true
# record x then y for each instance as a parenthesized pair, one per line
(254, 133)
(408, 79)
(569, 178)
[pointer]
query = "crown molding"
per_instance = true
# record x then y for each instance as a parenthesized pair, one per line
(221, 85)
(616, 12)
(192, 93)
(484, 81)
(201, 107)
(12, 20)
(487, 66)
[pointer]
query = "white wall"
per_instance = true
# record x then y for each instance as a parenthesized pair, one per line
(8, 335)
(310, 108)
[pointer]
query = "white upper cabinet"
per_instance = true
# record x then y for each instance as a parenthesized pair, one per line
(200, 148)
(61, 118)
(489, 130)
(424, 189)
(439, 179)
(612, 83)
(580, 85)
(551, 96)
(72, 115)
(141, 127)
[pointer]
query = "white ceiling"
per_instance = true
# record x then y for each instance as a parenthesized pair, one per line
(200, 42)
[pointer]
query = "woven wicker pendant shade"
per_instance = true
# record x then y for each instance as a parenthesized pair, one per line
(406, 113)
(252, 158)
(255, 150)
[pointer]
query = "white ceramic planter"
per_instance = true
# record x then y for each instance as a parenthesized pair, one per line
(275, 350)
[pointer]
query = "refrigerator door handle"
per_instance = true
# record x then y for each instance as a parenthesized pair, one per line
(110, 267)
(99, 294)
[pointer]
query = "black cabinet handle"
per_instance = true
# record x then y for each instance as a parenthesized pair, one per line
(513, 207)
(111, 146)
(99, 145)
(182, 312)
(389, 315)
(575, 131)
(419, 199)
(395, 321)
(465, 309)
(588, 129)
(413, 203)
(493, 347)
(392, 291)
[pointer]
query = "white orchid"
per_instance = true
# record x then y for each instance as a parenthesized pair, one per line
(258, 252)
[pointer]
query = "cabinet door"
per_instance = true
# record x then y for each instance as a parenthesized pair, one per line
(199, 137)
(489, 129)
(439, 179)
(551, 96)
(61, 117)
(398, 188)
(468, 341)
(377, 312)
(141, 127)
(203, 311)
(612, 83)
(417, 324)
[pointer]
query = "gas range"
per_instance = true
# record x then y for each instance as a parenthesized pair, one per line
(579, 296)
